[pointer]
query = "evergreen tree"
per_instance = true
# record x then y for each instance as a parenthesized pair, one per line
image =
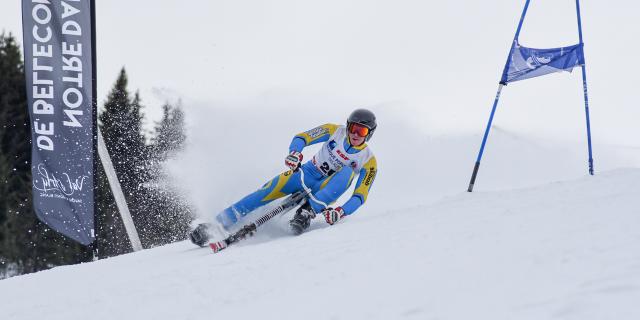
(169, 135)
(26, 244)
(12, 98)
(159, 214)
(121, 127)
(14, 128)
(172, 213)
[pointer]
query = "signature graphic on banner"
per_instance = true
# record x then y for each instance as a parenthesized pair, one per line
(64, 184)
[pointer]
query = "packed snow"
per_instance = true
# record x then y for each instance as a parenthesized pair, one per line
(562, 250)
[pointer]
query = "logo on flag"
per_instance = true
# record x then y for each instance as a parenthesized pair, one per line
(526, 63)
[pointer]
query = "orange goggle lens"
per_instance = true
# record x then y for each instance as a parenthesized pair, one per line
(359, 129)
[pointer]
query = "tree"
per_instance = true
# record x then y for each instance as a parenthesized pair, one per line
(169, 135)
(121, 127)
(159, 213)
(26, 244)
(171, 212)
(14, 130)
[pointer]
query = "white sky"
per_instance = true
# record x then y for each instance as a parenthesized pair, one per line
(440, 59)
(431, 65)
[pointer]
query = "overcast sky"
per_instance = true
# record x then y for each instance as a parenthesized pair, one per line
(440, 57)
(431, 65)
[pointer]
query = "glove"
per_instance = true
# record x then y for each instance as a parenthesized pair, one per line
(293, 160)
(333, 215)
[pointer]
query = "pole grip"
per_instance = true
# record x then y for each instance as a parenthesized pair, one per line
(473, 176)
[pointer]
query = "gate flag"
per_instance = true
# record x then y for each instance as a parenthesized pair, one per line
(525, 63)
(59, 70)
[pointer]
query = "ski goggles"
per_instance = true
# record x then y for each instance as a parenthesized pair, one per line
(359, 129)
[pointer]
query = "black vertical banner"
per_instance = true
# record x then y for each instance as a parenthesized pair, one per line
(59, 73)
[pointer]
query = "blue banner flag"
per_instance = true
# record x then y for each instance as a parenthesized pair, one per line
(525, 63)
(59, 72)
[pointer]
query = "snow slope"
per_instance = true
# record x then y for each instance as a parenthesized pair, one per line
(564, 250)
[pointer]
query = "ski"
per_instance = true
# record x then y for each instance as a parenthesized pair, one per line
(250, 229)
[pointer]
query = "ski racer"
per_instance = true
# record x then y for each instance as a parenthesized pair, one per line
(327, 175)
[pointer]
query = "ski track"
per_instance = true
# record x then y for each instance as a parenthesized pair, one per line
(564, 250)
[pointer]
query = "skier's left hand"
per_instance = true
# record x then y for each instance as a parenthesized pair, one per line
(333, 215)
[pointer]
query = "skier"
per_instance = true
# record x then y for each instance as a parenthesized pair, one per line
(328, 175)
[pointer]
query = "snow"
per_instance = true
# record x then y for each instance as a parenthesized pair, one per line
(566, 250)
(538, 239)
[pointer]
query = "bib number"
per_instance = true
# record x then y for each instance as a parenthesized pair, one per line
(326, 170)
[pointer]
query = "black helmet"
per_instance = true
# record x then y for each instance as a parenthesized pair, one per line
(365, 118)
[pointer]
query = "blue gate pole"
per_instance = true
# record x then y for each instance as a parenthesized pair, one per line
(495, 102)
(586, 97)
(484, 139)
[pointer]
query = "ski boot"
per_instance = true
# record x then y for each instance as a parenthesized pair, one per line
(200, 235)
(302, 219)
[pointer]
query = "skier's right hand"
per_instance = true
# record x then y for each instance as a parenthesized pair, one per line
(293, 160)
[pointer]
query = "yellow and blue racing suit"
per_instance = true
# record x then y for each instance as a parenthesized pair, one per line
(328, 174)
